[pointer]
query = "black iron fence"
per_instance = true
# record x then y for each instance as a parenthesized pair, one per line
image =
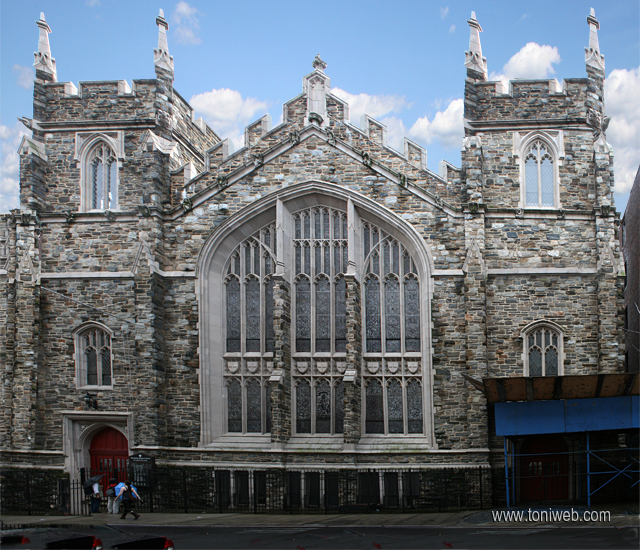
(341, 491)
(36, 492)
(206, 490)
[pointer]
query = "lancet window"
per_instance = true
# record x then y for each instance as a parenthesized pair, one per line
(93, 357)
(249, 332)
(539, 175)
(391, 340)
(101, 178)
(543, 351)
(319, 331)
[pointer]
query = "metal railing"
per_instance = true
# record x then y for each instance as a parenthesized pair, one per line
(273, 490)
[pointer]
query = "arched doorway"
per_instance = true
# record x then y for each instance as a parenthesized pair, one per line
(109, 452)
(544, 465)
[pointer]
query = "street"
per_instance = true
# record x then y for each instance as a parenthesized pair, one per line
(363, 537)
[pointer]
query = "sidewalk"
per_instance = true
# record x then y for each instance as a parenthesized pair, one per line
(468, 519)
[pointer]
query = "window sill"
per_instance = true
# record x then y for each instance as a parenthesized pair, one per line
(95, 388)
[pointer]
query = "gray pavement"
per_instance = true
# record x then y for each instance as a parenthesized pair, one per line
(619, 518)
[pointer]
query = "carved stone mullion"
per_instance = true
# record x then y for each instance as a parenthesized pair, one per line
(352, 381)
(281, 374)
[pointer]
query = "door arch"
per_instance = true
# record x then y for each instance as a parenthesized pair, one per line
(109, 452)
(545, 469)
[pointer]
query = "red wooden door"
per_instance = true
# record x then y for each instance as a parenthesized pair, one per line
(544, 469)
(109, 453)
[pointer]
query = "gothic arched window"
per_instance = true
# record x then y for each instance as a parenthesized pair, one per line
(101, 178)
(392, 344)
(93, 345)
(539, 175)
(543, 354)
(319, 326)
(249, 332)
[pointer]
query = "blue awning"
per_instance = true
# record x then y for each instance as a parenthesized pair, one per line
(567, 415)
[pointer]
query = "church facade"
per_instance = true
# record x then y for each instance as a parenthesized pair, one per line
(316, 299)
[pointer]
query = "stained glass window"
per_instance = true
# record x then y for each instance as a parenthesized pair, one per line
(249, 304)
(412, 314)
(303, 407)
(390, 302)
(268, 317)
(372, 304)
(414, 406)
(252, 302)
(323, 315)
(323, 407)
(234, 405)
(539, 176)
(375, 408)
(392, 315)
(303, 315)
(233, 315)
(341, 315)
(543, 352)
(394, 407)
(254, 406)
(392, 309)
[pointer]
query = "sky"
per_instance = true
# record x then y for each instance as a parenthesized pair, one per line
(400, 62)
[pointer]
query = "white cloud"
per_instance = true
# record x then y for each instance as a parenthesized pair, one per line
(446, 126)
(621, 101)
(444, 12)
(227, 112)
(532, 61)
(187, 24)
(396, 130)
(26, 76)
(93, 3)
(10, 139)
(375, 106)
(452, 29)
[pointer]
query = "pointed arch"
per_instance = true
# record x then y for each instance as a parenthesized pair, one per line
(348, 211)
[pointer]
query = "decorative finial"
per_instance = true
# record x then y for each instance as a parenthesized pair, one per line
(43, 60)
(592, 56)
(161, 57)
(319, 64)
(473, 58)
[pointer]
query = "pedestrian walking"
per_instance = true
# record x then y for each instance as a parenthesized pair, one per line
(113, 502)
(129, 496)
(92, 489)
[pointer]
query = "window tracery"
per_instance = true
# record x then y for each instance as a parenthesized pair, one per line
(391, 318)
(543, 351)
(249, 332)
(320, 256)
(392, 387)
(101, 178)
(93, 357)
(539, 175)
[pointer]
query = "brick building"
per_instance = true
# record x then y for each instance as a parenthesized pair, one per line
(311, 300)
